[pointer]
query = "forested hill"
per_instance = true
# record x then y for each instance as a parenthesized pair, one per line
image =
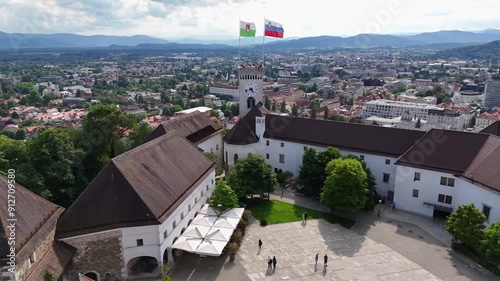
(490, 51)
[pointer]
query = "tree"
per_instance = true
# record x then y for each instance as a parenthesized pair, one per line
(312, 173)
(325, 114)
(103, 128)
(490, 246)
(345, 187)
(419, 124)
(467, 225)
(273, 107)
(314, 107)
(48, 277)
(55, 158)
(139, 133)
(472, 122)
(223, 197)
(14, 115)
(251, 175)
(295, 110)
(267, 103)
(283, 107)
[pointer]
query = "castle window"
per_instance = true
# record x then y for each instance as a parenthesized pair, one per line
(250, 102)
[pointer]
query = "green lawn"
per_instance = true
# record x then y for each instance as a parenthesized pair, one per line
(275, 211)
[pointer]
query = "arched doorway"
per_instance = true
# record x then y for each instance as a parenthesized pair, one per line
(250, 102)
(175, 252)
(165, 256)
(143, 267)
(92, 275)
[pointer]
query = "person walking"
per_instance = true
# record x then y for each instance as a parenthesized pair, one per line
(269, 263)
(325, 258)
(260, 243)
(282, 193)
(316, 259)
(274, 262)
(305, 216)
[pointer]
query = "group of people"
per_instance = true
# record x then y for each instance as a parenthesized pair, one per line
(271, 262)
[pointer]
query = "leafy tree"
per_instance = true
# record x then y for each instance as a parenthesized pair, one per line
(267, 103)
(467, 225)
(103, 128)
(283, 177)
(15, 115)
(48, 277)
(140, 99)
(314, 107)
(251, 175)
(472, 122)
(223, 197)
(13, 153)
(139, 133)
(55, 158)
(371, 181)
(295, 110)
(490, 246)
(273, 107)
(235, 109)
(345, 187)
(283, 107)
(312, 173)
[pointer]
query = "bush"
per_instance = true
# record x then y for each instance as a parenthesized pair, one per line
(233, 247)
(263, 222)
(247, 214)
(376, 198)
(242, 225)
(369, 205)
(218, 171)
(236, 235)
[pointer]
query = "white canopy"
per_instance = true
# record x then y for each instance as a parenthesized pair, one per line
(226, 223)
(204, 220)
(210, 231)
(220, 234)
(211, 248)
(187, 244)
(196, 231)
(235, 213)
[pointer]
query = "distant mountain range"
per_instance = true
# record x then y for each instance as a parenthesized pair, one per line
(489, 51)
(435, 40)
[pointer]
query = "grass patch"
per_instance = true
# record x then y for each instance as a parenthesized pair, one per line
(473, 255)
(275, 211)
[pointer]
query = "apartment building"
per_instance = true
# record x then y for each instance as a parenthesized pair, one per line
(391, 109)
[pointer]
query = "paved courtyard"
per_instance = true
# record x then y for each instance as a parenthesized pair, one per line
(350, 256)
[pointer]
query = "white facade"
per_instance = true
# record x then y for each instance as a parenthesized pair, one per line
(251, 88)
(429, 188)
(227, 90)
(213, 145)
(391, 109)
(156, 239)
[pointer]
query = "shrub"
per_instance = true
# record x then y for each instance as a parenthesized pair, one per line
(236, 235)
(247, 214)
(233, 247)
(242, 225)
(263, 222)
(369, 205)
(376, 198)
(219, 171)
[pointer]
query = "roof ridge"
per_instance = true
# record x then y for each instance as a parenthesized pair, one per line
(33, 193)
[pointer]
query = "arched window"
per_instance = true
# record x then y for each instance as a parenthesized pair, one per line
(250, 102)
(235, 158)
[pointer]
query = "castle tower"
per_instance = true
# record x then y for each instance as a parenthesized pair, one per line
(250, 87)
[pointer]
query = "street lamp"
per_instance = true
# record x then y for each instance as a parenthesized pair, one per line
(379, 207)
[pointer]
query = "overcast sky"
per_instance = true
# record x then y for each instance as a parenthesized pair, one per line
(220, 18)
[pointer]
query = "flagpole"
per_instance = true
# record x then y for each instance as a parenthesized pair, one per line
(239, 48)
(263, 37)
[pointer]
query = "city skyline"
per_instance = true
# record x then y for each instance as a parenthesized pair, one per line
(220, 19)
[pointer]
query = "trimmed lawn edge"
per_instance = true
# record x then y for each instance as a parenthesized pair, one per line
(275, 211)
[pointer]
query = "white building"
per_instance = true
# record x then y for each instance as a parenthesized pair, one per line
(415, 99)
(225, 90)
(125, 221)
(391, 109)
(429, 173)
(449, 119)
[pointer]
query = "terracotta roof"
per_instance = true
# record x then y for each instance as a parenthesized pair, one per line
(342, 135)
(493, 129)
(195, 126)
(445, 151)
(54, 261)
(244, 131)
(140, 187)
(36, 217)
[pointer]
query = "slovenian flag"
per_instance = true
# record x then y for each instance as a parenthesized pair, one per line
(273, 29)
(247, 29)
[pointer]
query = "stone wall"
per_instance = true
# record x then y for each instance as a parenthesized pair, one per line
(41, 249)
(101, 253)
